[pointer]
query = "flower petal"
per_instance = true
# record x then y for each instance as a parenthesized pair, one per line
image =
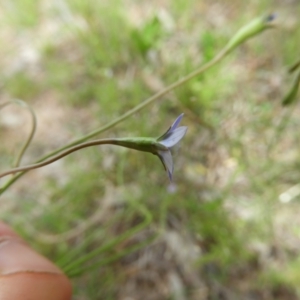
(167, 160)
(172, 128)
(176, 122)
(174, 137)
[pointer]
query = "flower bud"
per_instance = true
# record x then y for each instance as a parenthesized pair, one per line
(253, 28)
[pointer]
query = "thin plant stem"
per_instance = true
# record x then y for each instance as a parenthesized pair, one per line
(118, 120)
(63, 154)
(109, 245)
(246, 32)
(32, 131)
(140, 106)
(280, 129)
(77, 272)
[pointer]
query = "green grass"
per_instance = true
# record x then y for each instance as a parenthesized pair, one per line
(233, 164)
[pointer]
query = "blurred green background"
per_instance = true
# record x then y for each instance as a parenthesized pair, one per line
(228, 227)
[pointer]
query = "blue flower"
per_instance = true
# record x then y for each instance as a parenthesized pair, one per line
(167, 142)
(162, 146)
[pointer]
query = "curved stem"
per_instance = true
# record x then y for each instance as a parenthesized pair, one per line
(32, 131)
(118, 120)
(141, 105)
(241, 36)
(31, 134)
(61, 155)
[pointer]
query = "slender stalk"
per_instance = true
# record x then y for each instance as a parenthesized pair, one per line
(75, 265)
(118, 120)
(117, 142)
(113, 257)
(249, 30)
(32, 131)
(140, 106)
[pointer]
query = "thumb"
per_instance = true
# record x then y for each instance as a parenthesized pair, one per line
(25, 273)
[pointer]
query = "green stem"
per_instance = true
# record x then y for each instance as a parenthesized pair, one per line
(140, 106)
(249, 30)
(77, 272)
(133, 143)
(118, 120)
(32, 131)
(109, 245)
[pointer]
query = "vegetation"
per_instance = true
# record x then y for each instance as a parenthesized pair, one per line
(227, 227)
